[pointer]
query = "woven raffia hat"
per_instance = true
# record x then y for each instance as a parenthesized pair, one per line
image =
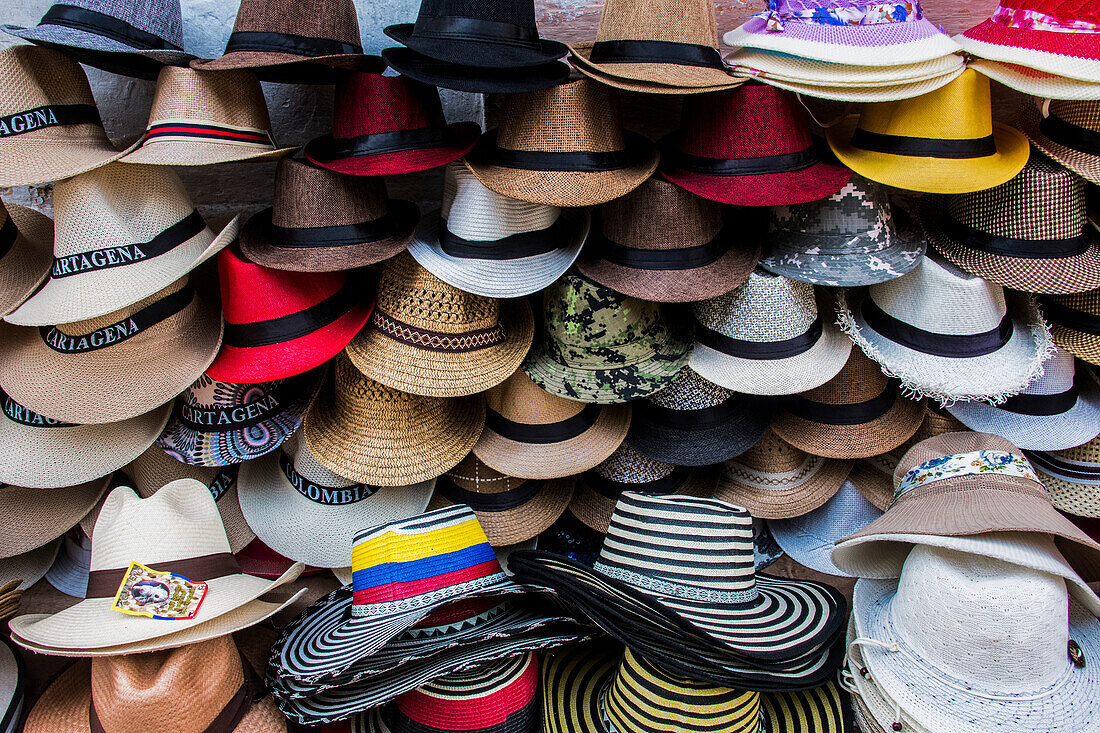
(374, 434)
(1066, 131)
(600, 346)
(1075, 323)
(122, 233)
(35, 517)
(1071, 477)
(1036, 83)
(430, 338)
(846, 240)
(809, 538)
(563, 146)
(947, 334)
(661, 243)
(944, 141)
(495, 246)
(26, 254)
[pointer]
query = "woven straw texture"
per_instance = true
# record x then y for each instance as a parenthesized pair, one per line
(767, 65)
(860, 93)
(809, 539)
(35, 517)
(1082, 114)
(1082, 344)
(1036, 83)
(1072, 478)
(27, 263)
(30, 567)
(580, 52)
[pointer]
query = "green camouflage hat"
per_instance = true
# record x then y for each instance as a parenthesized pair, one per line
(598, 345)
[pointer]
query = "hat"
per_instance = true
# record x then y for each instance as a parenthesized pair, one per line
(693, 422)
(293, 41)
(767, 337)
(858, 78)
(27, 569)
(281, 324)
(475, 79)
(12, 688)
(114, 367)
(563, 146)
(941, 142)
(26, 253)
(857, 93)
(123, 233)
(35, 517)
(428, 337)
(572, 538)
(1064, 131)
(583, 49)
(128, 38)
(1071, 477)
(383, 125)
(1036, 83)
(302, 510)
(181, 533)
(847, 239)
(600, 346)
(374, 434)
(69, 572)
(49, 123)
(1075, 323)
(749, 146)
(493, 245)
(353, 224)
(947, 334)
(775, 480)
(661, 243)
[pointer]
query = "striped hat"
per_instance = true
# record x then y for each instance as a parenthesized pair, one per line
(1071, 477)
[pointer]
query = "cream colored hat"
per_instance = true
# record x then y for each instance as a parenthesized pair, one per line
(26, 253)
(1037, 83)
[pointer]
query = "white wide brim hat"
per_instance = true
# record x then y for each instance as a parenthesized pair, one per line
(1036, 83)
(800, 70)
(30, 567)
(1059, 64)
(861, 92)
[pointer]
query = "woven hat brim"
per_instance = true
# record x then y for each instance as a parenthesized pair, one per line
(633, 85)
(701, 446)
(594, 510)
(876, 486)
(818, 259)
(688, 78)
(860, 85)
(465, 135)
(1080, 500)
(519, 524)
(786, 503)
(863, 93)
(33, 161)
(176, 152)
(768, 189)
(29, 567)
(802, 70)
(1083, 164)
(864, 440)
(1083, 345)
(500, 278)
(485, 53)
(36, 517)
(1077, 58)
(27, 264)
(259, 61)
(1036, 83)
(74, 38)
(237, 531)
(474, 79)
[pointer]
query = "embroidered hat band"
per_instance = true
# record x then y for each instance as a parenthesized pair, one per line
(436, 340)
(972, 463)
(1037, 20)
(874, 14)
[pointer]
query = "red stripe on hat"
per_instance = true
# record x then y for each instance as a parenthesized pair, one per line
(205, 132)
(389, 591)
(471, 713)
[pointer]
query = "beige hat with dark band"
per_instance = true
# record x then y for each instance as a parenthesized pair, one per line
(26, 254)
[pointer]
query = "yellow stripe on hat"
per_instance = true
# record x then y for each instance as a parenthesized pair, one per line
(811, 711)
(394, 547)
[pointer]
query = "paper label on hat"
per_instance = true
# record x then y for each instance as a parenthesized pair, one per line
(159, 595)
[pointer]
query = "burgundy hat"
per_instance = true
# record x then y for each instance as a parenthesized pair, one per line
(384, 125)
(749, 146)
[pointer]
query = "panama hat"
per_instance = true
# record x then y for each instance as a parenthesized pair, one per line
(583, 49)
(27, 569)
(36, 517)
(370, 433)
(495, 246)
(123, 233)
(475, 79)
(1064, 131)
(1071, 476)
(26, 254)
(1034, 82)
(571, 538)
(859, 93)
(563, 146)
(661, 243)
(1075, 323)
(428, 337)
(383, 125)
(767, 65)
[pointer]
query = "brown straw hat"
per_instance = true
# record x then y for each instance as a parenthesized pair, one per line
(323, 221)
(563, 146)
(202, 118)
(858, 413)
(510, 510)
(368, 432)
(35, 517)
(26, 254)
(427, 337)
(531, 433)
(664, 244)
(582, 51)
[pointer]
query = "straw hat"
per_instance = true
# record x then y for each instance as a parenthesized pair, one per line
(69, 572)
(1071, 476)
(495, 246)
(182, 532)
(30, 567)
(583, 49)
(1034, 82)
(858, 93)
(948, 335)
(771, 65)
(1064, 131)
(117, 366)
(563, 146)
(302, 510)
(571, 538)
(775, 480)
(374, 434)
(809, 538)
(35, 517)
(1075, 323)
(123, 233)
(476, 79)
(427, 337)
(48, 119)
(26, 254)
(600, 346)
(661, 243)
(353, 224)
(941, 142)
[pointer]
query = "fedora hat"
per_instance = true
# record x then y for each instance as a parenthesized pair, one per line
(117, 366)
(661, 243)
(944, 141)
(808, 539)
(948, 335)
(1070, 476)
(846, 240)
(122, 234)
(428, 337)
(1064, 130)
(1075, 323)
(382, 125)
(201, 118)
(749, 146)
(582, 49)
(563, 146)
(49, 123)
(26, 253)
(36, 517)
(600, 346)
(1034, 82)
(475, 79)
(495, 246)
(370, 433)
(181, 532)
(305, 512)
(281, 324)
(353, 224)
(693, 422)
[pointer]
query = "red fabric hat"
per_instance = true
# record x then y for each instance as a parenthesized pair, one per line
(749, 146)
(1045, 26)
(279, 324)
(383, 125)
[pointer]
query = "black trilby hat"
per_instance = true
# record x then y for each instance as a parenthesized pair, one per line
(444, 74)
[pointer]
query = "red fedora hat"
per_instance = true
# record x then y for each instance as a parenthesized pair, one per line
(1054, 36)
(279, 324)
(749, 146)
(384, 125)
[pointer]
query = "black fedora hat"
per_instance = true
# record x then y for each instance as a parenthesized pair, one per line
(483, 80)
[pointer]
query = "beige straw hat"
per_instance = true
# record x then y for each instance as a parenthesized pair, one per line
(202, 117)
(1037, 83)
(427, 337)
(26, 253)
(30, 567)
(35, 517)
(862, 93)
(370, 433)
(1071, 477)
(123, 232)
(581, 52)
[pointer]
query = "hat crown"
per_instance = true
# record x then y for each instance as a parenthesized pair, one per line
(861, 207)
(628, 466)
(520, 400)
(476, 213)
(576, 115)
(331, 19)
(163, 18)
(252, 292)
(860, 379)
(301, 457)
(412, 295)
(765, 308)
(367, 103)
(40, 76)
(308, 195)
(751, 121)
(660, 215)
(582, 314)
(678, 21)
(957, 111)
(473, 475)
(513, 12)
(1064, 10)
(689, 391)
(231, 97)
(481, 697)
(774, 456)
(88, 325)
(1082, 113)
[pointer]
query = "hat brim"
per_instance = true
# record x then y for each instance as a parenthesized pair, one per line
(767, 189)
(483, 53)
(702, 446)
(821, 259)
(1036, 83)
(463, 134)
(31, 162)
(185, 152)
(632, 85)
(36, 517)
(27, 264)
(681, 77)
(1083, 164)
(786, 503)
(1067, 54)
(863, 440)
(474, 79)
(519, 524)
(74, 40)
(1083, 345)
(858, 93)
(289, 68)
(594, 509)
(876, 486)
(801, 70)
(809, 538)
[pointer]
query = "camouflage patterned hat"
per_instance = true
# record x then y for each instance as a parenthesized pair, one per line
(601, 346)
